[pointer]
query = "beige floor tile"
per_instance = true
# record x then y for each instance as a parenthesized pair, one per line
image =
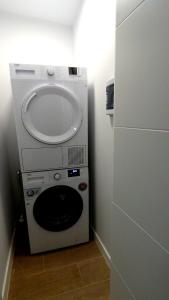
(71, 255)
(76, 273)
(98, 291)
(94, 270)
(28, 265)
(45, 285)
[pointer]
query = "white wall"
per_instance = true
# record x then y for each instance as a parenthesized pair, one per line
(94, 48)
(22, 40)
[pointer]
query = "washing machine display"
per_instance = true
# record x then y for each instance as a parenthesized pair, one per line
(73, 172)
(58, 208)
(51, 114)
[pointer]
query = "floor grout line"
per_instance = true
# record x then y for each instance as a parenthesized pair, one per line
(50, 269)
(80, 288)
(94, 282)
(75, 264)
(80, 273)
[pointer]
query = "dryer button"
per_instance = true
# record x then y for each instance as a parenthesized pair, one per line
(57, 176)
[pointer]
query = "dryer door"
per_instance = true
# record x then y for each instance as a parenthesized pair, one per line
(58, 208)
(51, 114)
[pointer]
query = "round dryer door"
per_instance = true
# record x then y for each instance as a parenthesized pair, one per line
(51, 114)
(58, 208)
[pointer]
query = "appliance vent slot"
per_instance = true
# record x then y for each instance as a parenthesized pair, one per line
(76, 156)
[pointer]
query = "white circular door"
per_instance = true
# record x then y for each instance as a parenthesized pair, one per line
(51, 114)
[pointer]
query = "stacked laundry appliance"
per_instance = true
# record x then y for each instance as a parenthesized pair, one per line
(50, 107)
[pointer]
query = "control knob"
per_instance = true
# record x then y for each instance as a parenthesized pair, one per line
(82, 186)
(57, 176)
(30, 193)
(50, 71)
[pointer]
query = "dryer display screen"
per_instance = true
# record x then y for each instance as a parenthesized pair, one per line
(72, 71)
(73, 172)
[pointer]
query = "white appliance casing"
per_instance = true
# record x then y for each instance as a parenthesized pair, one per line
(34, 154)
(40, 239)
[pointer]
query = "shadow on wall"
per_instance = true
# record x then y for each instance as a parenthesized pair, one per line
(6, 203)
(91, 129)
(13, 161)
(8, 211)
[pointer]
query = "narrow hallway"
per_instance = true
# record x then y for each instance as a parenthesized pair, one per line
(76, 273)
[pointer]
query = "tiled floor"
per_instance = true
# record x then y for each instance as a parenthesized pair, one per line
(77, 273)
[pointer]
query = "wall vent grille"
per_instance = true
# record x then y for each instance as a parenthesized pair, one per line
(76, 156)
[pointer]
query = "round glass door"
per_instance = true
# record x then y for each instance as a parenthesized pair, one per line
(51, 114)
(58, 208)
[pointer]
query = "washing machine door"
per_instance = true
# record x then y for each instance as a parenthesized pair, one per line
(51, 114)
(58, 208)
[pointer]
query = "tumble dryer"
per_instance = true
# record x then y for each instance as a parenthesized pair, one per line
(50, 106)
(57, 208)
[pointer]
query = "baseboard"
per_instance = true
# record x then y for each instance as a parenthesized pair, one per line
(102, 248)
(8, 270)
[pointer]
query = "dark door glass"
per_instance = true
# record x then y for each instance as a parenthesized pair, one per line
(58, 208)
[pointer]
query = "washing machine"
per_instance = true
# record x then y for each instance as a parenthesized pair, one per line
(57, 208)
(51, 116)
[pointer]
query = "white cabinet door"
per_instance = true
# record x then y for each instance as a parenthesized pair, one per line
(141, 179)
(124, 8)
(142, 68)
(143, 265)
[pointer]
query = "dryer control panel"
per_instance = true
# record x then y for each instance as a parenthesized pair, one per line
(52, 73)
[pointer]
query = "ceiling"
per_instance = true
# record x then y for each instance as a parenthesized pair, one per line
(60, 11)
